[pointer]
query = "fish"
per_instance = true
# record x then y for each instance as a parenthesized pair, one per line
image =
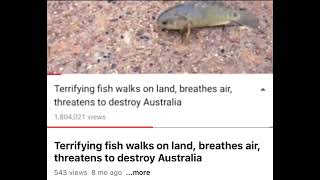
(199, 14)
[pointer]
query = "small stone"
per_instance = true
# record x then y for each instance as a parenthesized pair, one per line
(113, 66)
(78, 63)
(126, 37)
(99, 6)
(144, 37)
(136, 69)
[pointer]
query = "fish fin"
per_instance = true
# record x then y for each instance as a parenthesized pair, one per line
(185, 34)
(188, 33)
(182, 32)
(247, 19)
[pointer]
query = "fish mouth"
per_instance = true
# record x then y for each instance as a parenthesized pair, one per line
(160, 27)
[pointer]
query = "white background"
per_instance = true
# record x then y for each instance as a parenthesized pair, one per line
(220, 165)
(246, 107)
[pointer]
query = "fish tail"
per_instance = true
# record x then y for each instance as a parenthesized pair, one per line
(249, 20)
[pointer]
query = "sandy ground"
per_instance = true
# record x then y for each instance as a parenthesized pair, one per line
(121, 37)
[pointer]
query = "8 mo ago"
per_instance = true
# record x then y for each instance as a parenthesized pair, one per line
(105, 173)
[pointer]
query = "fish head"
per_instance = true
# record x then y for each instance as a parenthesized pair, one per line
(171, 21)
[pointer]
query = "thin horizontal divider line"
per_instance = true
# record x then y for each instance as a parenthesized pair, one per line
(217, 127)
(99, 126)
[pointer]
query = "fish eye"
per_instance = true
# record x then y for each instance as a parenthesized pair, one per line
(164, 22)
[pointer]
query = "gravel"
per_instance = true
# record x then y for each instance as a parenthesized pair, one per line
(103, 37)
